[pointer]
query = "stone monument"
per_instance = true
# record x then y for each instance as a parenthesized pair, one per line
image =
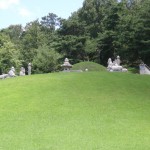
(115, 65)
(144, 69)
(118, 60)
(3, 76)
(22, 71)
(66, 66)
(11, 72)
(29, 69)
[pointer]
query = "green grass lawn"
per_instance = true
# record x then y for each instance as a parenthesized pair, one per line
(75, 111)
(91, 66)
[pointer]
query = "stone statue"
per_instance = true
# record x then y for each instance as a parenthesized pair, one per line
(118, 60)
(29, 69)
(144, 69)
(115, 65)
(109, 63)
(22, 71)
(11, 72)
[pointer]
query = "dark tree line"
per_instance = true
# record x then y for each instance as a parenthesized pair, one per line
(95, 32)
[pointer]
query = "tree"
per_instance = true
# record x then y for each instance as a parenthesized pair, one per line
(143, 31)
(46, 60)
(72, 47)
(9, 55)
(91, 50)
(72, 27)
(132, 32)
(50, 22)
(30, 42)
(14, 32)
(93, 13)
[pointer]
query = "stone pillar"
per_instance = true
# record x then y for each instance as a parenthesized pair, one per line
(29, 69)
(118, 60)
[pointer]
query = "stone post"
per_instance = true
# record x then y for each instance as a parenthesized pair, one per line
(29, 69)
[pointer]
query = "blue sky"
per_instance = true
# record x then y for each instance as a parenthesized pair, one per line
(23, 11)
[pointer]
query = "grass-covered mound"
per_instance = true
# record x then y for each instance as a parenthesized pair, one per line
(91, 66)
(75, 111)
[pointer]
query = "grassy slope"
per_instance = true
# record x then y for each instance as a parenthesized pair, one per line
(91, 66)
(75, 111)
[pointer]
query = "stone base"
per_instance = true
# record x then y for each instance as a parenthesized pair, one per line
(72, 71)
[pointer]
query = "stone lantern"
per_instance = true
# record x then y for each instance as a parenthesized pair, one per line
(66, 66)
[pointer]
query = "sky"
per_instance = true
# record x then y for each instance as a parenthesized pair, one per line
(14, 12)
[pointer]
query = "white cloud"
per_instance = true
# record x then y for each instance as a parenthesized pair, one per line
(25, 12)
(6, 4)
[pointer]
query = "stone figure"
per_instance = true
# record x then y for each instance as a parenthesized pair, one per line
(109, 62)
(115, 65)
(144, 69)
(29, 69)
(11, 72)
(66, 66)
(118, 60)
(22, 71)
(3, 76)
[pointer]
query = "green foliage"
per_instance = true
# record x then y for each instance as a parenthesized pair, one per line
(72, 26)
(143, 31)
(9, 55)
(107, 45)
(29, 42)
(50, 22)
(91, 49)
(14, 32)
(46, 60)
(73, 47)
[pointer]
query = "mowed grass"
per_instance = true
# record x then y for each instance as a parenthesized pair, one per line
(91, 66)
(75, 111)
